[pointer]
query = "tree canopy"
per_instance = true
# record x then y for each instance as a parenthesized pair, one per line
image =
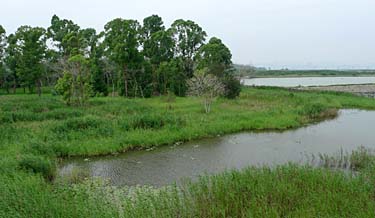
(129, 58)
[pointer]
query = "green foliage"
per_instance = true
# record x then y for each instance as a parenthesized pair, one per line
(122, 42)
(31, 44)
(133, 60)
(217, 58)
(11, 61)
(78, 124)
(63, 32)
(152, 121)
(189, 37)
(2, 41)
(64, 87)
(2, 54)
(171, 78)
(75, 85)
(232, 86)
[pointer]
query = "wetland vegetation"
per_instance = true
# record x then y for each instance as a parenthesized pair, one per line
(37, 131)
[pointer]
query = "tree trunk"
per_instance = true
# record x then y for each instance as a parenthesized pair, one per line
(113, 88)
(125, 81)
(155, 90)
(39, 87)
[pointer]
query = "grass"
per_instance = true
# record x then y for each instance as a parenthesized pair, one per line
(36, 132)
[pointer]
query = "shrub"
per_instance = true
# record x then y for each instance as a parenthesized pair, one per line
(90, 125)
(314, 110)
(39, 148)
(38, 164)
(78, 124)
(232, 86)
(152, 121)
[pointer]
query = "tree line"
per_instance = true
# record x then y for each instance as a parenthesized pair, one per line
(127, 58)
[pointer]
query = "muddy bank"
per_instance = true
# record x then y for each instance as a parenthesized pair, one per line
(367, 90)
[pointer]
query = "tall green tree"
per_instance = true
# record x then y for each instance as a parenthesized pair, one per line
(189, 37)
(12, 54)
(63, 33)
(217, 59)
(122, 42)
(2, 42)
(215, 56)
(171, 77)
(92, 48)
(158, 46)
(3, 75)
(31, 43)
(151, 25)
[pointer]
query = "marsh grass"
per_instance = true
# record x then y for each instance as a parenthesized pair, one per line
(355, 160)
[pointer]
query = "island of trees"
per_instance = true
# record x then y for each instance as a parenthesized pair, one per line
(127, 58)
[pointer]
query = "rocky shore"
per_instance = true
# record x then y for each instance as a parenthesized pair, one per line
(367, 90)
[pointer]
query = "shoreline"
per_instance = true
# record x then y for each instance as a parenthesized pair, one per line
(367, 90)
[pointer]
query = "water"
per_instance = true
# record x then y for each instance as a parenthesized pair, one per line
(165, 165)
(308, 81)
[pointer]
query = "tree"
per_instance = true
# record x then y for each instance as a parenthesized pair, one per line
(75, 85)
(151, 25)
(63, 33)
(31, 43)
(206, 86)
(158, 46)
(217, 58)
(171, 78)
(12, 54)
(122, 42)
(189, 37)
(93, 49)
(2, 42)
(3, 75)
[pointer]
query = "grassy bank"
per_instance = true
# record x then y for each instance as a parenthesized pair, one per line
(35, 132)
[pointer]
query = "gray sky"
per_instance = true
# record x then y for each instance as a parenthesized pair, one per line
(272, 33)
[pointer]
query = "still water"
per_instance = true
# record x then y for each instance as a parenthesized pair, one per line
(307, 81)
(165, 165)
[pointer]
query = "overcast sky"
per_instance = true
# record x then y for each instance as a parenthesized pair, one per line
(271, 33)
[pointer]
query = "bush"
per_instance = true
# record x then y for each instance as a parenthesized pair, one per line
(232, 86)
(75, 128)
(313, 110)
(78, 124)
(38, 164)
(152, 121)
(39, 148)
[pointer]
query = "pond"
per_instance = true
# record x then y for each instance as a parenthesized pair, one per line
(168, 164)
(308, 81)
